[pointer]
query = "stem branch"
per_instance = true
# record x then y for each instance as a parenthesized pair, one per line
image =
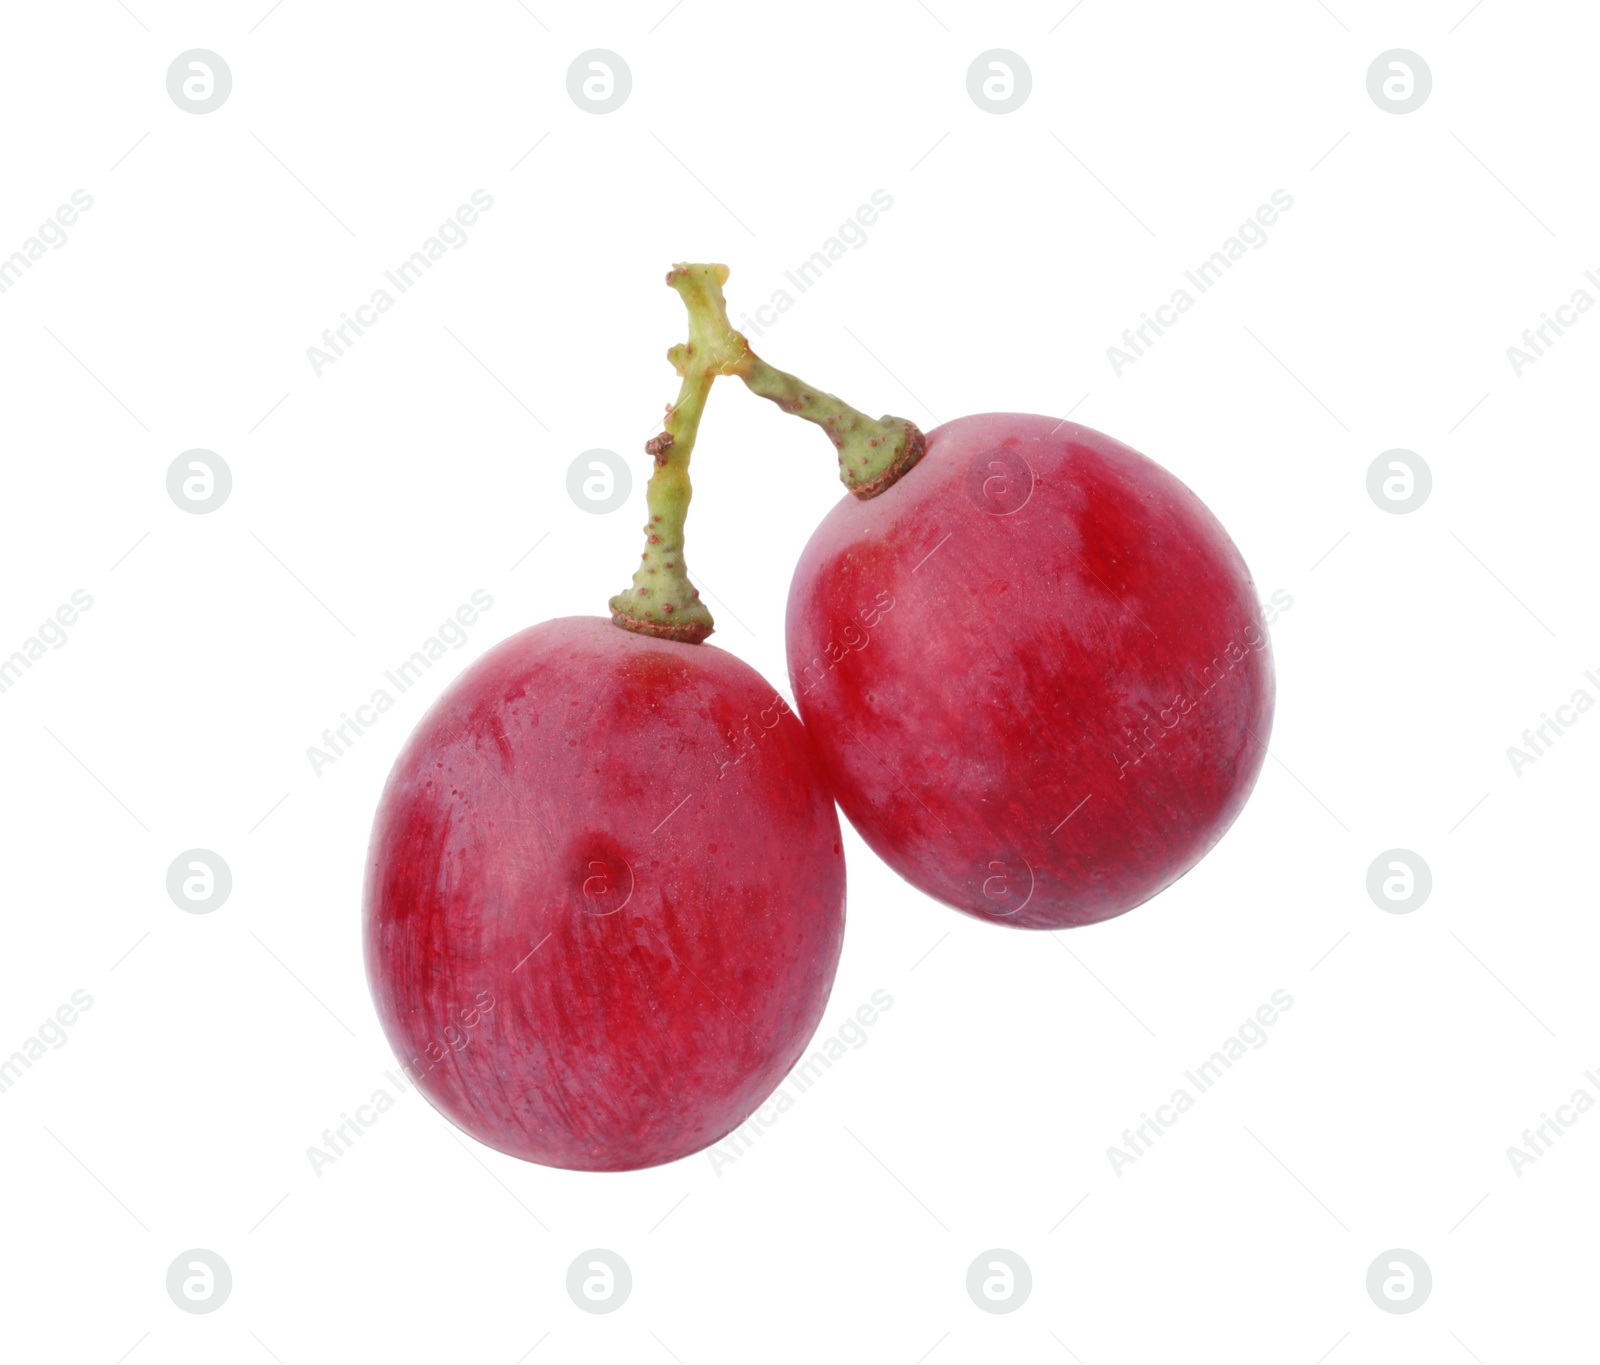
(873, 452)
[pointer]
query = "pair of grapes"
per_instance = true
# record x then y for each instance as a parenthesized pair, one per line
(1030, 667)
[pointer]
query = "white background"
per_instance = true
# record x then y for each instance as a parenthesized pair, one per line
(369, 502)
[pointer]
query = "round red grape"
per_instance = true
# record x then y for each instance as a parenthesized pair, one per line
(605, 897)
(1035, 669)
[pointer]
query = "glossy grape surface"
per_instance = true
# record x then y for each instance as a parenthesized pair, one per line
(605, 897)
(1035, 669)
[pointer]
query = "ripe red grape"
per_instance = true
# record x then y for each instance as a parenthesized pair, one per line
(605, 897)
(1035, 670)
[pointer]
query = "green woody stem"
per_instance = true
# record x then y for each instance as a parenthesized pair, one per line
(661, 600)
(873, 453)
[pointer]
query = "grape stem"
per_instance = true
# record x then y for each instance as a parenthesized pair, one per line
(873, 453)
(661, 600)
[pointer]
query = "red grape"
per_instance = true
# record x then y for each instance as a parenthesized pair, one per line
(1035, 669)
(605, 897)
